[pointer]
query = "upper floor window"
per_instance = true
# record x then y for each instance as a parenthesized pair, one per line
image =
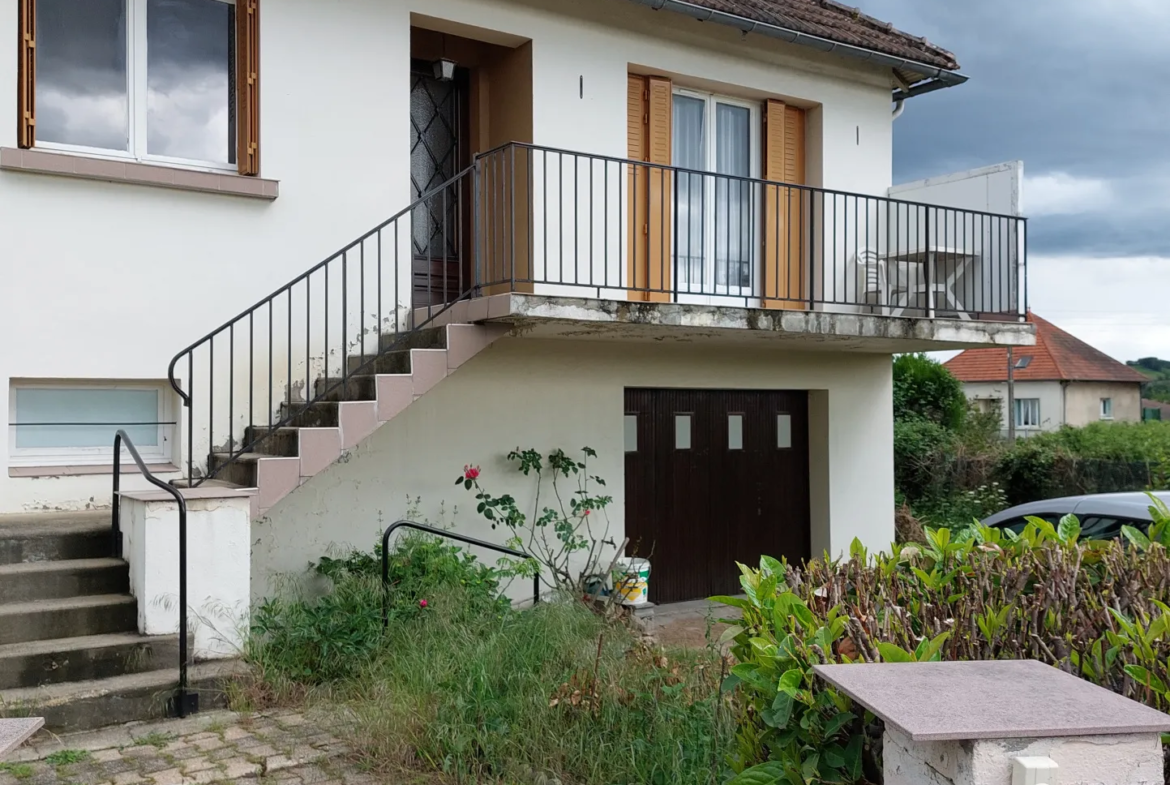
(151, 80)
(1106, 408)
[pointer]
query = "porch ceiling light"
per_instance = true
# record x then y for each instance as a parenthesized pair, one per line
(444, 69)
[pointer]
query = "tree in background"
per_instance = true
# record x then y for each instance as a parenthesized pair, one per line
(925, 390)
(1158, 388)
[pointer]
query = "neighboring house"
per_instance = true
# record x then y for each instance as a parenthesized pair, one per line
(658, 228)
(1059, 381)
(1155, 410)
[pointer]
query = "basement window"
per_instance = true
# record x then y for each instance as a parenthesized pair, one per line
(1106, 408)
(56, 423)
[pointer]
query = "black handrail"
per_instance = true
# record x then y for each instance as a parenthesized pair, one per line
(442, 206)
(183, 702)
(422, 527)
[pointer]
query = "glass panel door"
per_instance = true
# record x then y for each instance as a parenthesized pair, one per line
(690, 152)
(733, 199)
(715, 227)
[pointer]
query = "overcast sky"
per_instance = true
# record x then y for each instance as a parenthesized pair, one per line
(1079, 90)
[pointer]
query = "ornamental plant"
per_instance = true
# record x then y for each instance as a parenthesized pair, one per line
(564, 528)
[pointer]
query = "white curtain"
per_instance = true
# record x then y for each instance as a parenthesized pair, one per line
(690, 152)
(733, 198)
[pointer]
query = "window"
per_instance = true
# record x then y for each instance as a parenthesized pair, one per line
(631, 432)
(716, 229)
(1106, 408)
(1027, 412)
(682, 432)
(735, 431)
(783, 431)
(170, 81)
(63, 424)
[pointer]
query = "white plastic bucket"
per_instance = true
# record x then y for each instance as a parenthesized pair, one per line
(632, 582)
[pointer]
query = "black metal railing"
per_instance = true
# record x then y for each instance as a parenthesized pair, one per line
(523, 218)
(422, 527)
(272, 364)
(183, 702)
(563, 222)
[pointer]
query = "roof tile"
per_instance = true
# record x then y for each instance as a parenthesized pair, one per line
(1057, 356)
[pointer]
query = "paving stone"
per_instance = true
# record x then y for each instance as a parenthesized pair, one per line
(168, 777)
(223, 754)
(197, 764)
(101, 756)
(210, 744)
(209, 775)
(127, 778)
(311, 775)
(139, 751)
(236, 733)
(234, 768)
(275, 763)
(259, 751)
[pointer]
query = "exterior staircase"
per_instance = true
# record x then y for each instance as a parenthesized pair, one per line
(347, 411)
(69, 647)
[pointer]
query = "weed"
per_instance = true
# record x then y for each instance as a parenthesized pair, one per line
(66, 757)
(156, 739)
(22, 771)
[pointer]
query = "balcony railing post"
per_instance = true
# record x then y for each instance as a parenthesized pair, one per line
(927, 272)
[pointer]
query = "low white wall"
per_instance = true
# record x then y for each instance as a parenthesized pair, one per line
(1134, 759)
(562, 393)
(218, 566)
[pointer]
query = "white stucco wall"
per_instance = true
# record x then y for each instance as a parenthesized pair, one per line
(109, 281)
(217, 567)
(1051, 395)
(559, 393)
(1127, 759)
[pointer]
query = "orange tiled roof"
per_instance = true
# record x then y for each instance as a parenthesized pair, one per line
(1057, 356)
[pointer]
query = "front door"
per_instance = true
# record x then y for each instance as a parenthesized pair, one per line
(437, 123)
(714, 477)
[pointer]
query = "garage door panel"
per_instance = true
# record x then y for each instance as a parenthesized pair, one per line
(710, 485)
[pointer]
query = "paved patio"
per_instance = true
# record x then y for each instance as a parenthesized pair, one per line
(288, 748)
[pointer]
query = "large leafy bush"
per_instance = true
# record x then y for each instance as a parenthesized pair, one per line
(1099, 610)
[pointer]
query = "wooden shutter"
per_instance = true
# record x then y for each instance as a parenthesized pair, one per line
(26, 74)
(649, 124)
(248, 86)
(786, 210)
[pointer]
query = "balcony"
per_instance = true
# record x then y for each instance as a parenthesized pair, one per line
(575, 237)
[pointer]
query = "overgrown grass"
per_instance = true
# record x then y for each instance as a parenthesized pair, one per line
(501, 695)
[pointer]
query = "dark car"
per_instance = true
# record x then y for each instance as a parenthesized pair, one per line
(1101, 515)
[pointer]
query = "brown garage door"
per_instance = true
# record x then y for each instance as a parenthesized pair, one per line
(714, 477)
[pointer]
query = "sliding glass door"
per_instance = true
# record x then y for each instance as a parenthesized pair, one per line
(716, 227)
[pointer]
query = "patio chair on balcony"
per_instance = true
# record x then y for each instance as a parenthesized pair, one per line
(876, 288)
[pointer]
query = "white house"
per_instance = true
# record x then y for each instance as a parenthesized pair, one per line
(1060, 381)
(336, 251)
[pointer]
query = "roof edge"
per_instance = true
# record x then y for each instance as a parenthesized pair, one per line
(938, 78)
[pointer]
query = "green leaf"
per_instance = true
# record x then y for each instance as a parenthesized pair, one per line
(791, 680)
(1069, 529)
(853, 757)
(1145, 678)
(809, 768)
(838, 722)
(892, 653)
(834, 755)
(770, 773)
(1136, 537)
(781, 711)
(735, 602)
(928, 651)
(730, 634)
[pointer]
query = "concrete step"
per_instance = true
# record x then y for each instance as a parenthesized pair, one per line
(85, 705)
(426, 338)
(52, 536)
(67, 618)
(281, 442)
(37, 663)
(52, 580)
(322, 414)
(362, 387)
(241, 471)
(397, 361)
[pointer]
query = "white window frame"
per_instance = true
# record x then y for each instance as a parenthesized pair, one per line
(1019, 413)
(137, 90)
(706, 293)
(162, 453)
(1106, 408)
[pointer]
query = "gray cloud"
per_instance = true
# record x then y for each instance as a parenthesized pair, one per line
(1069, 86)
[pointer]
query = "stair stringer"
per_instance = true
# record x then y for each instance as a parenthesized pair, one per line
(320, 448)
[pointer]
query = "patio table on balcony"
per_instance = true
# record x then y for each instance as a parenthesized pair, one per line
(936, 269)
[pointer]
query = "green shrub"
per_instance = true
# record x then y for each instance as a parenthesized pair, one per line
(925, 389)
(315, 640)
(1100, 610)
